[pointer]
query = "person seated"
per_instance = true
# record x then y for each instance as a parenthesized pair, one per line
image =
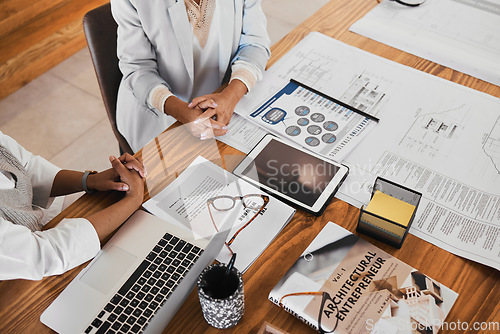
(29, 183)
(175, 54)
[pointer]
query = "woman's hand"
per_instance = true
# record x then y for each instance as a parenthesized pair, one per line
(126, 170)
(222, 103)
(205, 126)
(112, 180)
(199, 122)
(131, 181)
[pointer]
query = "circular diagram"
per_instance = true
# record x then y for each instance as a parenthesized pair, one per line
(330, 126)
(312, 141)
(292, 130)
(302, 121)
(302, 110)
(329, 138)
(317, 117)
(314, 129)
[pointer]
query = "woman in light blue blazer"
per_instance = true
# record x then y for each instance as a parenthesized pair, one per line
(174, 53)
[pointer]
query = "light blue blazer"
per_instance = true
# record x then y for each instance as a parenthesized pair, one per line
(155, 46)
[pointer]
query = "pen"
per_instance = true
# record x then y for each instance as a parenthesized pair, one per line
(230, 265)
(362, 113)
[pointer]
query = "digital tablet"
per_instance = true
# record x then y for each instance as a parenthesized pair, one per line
(292, 173)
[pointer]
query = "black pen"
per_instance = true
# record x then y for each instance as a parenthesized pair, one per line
(362, 113)
(230, 265)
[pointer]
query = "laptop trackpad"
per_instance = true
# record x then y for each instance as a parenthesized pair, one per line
(108, 269)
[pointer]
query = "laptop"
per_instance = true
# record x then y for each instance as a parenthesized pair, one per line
(137, 282)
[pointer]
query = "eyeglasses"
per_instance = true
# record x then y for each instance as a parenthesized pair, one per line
(255, 202)
(411, 3)
(328, 308)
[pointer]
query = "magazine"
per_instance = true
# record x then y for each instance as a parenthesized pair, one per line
(344, 284)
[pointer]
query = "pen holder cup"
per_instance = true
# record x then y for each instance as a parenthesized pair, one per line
(392, 197)
(221, 298)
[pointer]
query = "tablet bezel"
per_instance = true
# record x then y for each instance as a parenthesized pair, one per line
(321, 202)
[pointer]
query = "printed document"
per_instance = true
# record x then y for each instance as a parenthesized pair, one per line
(185, 203)
(311, 119)
(434, 136)
(460, 34)
(326, 129)
(242, 134)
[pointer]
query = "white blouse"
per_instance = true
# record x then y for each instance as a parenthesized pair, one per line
(34, 255)
(206, 65)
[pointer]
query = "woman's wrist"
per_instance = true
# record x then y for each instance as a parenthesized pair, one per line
(91, 181)
(133, 200)
(178, 109)
(236, 89)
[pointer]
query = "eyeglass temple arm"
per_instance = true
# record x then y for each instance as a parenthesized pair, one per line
(312, 293)
(241, 228)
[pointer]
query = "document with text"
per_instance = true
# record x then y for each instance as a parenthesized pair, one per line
(308, 118)
(192, 202)
(242, 134)
(313, 120)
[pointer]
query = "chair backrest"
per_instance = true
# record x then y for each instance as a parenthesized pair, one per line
(101, 32)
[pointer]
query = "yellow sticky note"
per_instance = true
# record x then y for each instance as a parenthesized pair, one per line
(390, 208)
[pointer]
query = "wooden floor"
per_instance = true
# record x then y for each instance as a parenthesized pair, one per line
(36, 35)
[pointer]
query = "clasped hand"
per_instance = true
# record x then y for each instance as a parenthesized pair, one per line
(217, 110)
(213, 120)
(127, 174)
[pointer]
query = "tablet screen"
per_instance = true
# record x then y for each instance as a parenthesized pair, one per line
(291, 172)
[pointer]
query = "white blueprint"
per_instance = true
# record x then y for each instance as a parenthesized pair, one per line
(461, 34)
(435, 136)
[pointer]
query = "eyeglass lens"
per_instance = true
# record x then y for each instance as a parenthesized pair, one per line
(224, 203)
(253, 202)
(411, 3)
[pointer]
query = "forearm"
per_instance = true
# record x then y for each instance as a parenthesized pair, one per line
(109, 219)
(66, 182)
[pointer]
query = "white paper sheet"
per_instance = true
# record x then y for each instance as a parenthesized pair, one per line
(313, 120)
(322, 72)
(434, 136)
(461, 34)
(242, 134)
(184, 202)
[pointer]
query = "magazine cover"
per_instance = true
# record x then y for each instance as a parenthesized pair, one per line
(344, 284)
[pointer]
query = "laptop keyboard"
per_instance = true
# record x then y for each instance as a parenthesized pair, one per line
(133, 306)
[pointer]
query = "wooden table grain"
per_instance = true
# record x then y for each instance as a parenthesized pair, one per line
(22, 301)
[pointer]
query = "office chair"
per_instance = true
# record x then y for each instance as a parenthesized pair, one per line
(100, 32)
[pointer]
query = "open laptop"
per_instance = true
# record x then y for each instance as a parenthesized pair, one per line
(137, 281)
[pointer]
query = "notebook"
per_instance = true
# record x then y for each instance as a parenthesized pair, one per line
(137, 281)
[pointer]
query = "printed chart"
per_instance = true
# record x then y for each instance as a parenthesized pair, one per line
(491, 145)
(311, 119)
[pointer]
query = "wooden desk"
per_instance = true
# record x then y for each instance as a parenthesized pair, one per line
(22, 302)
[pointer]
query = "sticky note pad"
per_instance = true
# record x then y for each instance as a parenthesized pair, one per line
(390, 208)
(388, 218)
